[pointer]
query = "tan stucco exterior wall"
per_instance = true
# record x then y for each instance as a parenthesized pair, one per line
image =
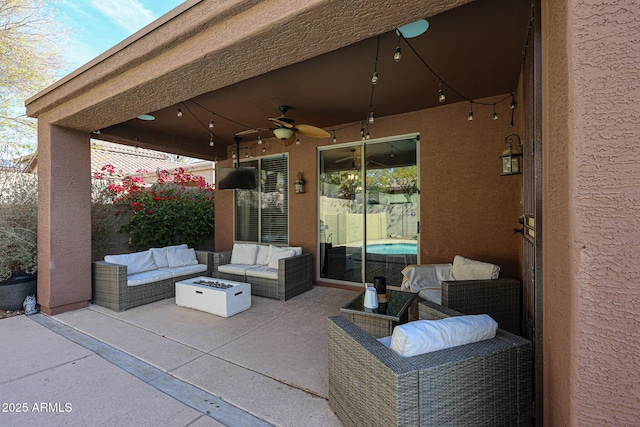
(64, 219)
(591, 128)
(460, 185)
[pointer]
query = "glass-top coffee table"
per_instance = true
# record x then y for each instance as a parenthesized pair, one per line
(379, 322)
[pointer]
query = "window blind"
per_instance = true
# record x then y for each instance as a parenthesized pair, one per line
(274, 203)
(262, 215)
(247, 204)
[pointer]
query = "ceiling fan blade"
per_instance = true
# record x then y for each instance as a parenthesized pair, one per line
(312, 131)
(289, 141)
(373, 162)
(250, 131)
(344, 159)
(281, 122)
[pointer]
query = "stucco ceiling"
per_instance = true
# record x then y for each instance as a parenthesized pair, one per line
(475, 49)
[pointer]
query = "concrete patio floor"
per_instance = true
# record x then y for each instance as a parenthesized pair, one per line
(161, 364)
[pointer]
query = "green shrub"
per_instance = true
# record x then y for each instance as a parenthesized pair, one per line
(178, 208)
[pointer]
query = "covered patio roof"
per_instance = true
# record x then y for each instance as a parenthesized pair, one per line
(236, 62)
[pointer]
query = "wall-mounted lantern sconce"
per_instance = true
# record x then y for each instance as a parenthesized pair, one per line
(511, 157)
(299, 184)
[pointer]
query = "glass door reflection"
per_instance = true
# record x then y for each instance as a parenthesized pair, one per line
(368, 210)
(341, 223)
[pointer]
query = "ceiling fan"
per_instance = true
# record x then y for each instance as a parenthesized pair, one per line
(355, 160)
(286, 129)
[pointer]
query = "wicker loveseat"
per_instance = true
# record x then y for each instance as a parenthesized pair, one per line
(499, 297)
(486, 383)
(272, 272)
(115, 287)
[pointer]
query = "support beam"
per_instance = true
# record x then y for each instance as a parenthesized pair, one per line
(64, 219)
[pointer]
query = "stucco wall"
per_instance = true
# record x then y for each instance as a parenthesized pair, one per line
(467, 207)
(591, 53)
(64, 219)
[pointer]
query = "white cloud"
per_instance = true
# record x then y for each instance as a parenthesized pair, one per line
(130, 15)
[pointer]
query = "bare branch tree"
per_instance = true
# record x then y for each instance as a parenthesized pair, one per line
(29, 59)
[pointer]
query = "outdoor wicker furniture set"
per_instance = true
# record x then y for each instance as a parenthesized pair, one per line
(483, 383)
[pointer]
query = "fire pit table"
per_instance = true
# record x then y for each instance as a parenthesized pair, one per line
(216, 296)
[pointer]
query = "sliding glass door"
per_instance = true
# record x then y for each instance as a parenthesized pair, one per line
(368, 210)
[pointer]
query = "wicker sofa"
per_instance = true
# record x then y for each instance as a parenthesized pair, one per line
(116, 288)
(486, 383)
(281, 278)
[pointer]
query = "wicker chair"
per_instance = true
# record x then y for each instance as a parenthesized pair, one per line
(487, 383)
(499, 298)
(295, 276)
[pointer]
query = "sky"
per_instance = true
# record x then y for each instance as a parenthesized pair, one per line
(95, 26)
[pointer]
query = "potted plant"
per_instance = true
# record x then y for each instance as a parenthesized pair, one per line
(18, 246)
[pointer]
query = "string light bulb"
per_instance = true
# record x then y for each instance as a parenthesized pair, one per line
(470, 117)
(211, 141)
(264, 148)
(259, 140)
(367, 136)
(334, 137)
(211, 125)
(495, 114)
(398, 55)
(371, 117)
(233, 154)
(441, 96)
(179, 114)
(374, 79)
(297, 140)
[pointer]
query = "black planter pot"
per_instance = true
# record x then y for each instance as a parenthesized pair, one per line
(15, 289)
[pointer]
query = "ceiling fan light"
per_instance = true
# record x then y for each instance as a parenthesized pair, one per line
(283, 133)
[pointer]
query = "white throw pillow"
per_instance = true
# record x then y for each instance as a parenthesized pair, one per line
(262, 256)
(467, 269)
(160, 254)
(296, 249)
(423, 336)
(179, 257)
(272, 250)
(136, 262)
(244, 253)
(279, 254)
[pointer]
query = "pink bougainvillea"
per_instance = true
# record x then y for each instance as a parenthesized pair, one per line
(177, 208)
